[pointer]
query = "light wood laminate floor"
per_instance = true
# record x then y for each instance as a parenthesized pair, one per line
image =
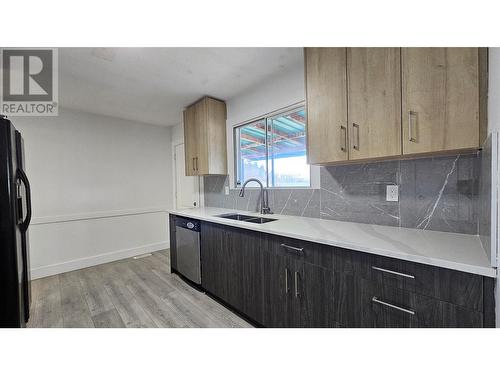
(127, 293)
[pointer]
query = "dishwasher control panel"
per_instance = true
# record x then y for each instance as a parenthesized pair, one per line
(187, 223)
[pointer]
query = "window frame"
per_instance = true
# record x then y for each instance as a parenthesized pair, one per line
(268, 122)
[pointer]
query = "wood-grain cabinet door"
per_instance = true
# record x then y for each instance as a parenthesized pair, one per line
(282, 291)
(221, 264)
(190, 141)
(231, 267)
(317, 297)
(374, 97)
(326, 95)
(213, 260)
(283, 285)
(200, 118)
(276, 290)
(244, 271)
(440, 102)
(296, 294)
(216, 152)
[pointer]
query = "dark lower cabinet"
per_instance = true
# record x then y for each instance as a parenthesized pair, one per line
(277, 304)
(459, 288)
(388, 307)
(278, 282)
(249, 262)
(173, 247)
(318, 305)
(215, 272)
(230, 267)
(296, 294)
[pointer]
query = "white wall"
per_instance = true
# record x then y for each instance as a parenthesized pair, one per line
(178, 134)
(100, 189)
(281, 91)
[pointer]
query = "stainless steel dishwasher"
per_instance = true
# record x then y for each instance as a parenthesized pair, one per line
(188, 248)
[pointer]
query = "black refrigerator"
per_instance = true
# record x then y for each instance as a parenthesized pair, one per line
(15, 216)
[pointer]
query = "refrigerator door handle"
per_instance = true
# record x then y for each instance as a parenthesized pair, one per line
(22, 176)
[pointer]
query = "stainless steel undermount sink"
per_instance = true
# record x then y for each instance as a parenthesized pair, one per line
(247, 218)
(260, 220)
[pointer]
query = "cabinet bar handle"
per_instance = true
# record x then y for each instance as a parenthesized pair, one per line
(343, 147)
(411, 312)
(287, 289)
(356, 144)
(410, 126)
(194, 168)
(299, 250)
(297, 294)
(197, 163)
(393, 272)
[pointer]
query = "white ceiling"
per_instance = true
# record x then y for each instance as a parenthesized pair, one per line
(153, 85)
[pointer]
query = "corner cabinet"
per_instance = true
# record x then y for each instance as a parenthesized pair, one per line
(381, 103)
(278, 281)
(205, 137)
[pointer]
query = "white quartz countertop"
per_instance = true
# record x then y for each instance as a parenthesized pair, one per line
(455, 251)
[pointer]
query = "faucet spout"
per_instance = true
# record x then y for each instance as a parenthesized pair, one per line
(242, 191)
(264, 204)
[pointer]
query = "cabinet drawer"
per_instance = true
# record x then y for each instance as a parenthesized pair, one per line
(363, 303)
(455, 287)
(392, 307)
(308, 252)
(459, 288)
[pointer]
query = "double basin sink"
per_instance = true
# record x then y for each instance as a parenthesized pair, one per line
(247, 218)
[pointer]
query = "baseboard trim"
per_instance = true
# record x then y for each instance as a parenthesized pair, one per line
(76, 264)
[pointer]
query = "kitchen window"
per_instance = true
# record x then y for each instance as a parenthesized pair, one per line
(273, 150)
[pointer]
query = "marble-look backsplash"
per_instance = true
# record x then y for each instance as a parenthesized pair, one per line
(438, 193)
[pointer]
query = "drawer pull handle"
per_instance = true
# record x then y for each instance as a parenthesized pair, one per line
(299, 250)
(411, 114)
(393, 272)
(374, 299)
(297, 293)
(356, 145)
(287, 289)
(343, 147)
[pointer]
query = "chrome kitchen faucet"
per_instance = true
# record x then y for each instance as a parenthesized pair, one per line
(264, 199)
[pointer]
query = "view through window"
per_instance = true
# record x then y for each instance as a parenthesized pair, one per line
(273, 150)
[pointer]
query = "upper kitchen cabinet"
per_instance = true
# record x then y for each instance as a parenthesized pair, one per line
(374, 102)
(326, 93)
(191, 141)
(205, 137)
(440, 99)
(353, 103)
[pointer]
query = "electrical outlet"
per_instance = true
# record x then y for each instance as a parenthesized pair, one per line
(226, 190)
(392, 193)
